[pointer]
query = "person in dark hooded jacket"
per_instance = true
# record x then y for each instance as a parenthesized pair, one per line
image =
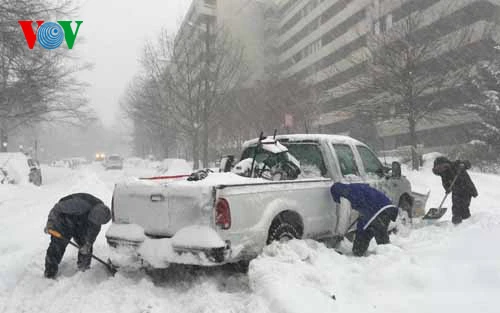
(375, 213)
(78, 216)
(463, 189)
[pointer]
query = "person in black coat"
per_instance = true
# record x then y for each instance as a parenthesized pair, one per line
(77, 216)
(463, 189)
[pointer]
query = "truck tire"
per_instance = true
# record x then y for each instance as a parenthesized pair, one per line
(241, 266)
(282, 231)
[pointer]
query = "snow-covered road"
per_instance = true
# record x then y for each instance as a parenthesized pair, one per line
(428, 269)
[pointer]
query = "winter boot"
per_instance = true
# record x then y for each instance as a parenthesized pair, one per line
(50, 273)
(456, 219)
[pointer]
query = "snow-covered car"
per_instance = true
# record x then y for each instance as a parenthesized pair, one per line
(113, 161)
(170, 167)
(227, 218)
(4, 177)
(21, 168)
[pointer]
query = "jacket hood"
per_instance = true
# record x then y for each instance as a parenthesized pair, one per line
(99, 214)
(339, 190)
(441, 160)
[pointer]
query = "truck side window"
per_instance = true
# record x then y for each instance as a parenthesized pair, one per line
(370, 161)
(346, 159)
(310, 158)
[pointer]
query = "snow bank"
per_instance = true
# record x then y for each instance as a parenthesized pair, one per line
(429, 159)
(286, 277)
(17, 166)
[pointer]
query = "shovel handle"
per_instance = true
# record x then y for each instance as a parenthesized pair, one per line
(451, 186)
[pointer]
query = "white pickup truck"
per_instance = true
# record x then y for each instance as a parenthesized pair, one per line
(227, 218)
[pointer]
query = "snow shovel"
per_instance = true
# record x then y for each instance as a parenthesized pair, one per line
(437, 213)
(111, 269)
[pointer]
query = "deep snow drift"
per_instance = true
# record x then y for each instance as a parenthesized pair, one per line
(430, 268)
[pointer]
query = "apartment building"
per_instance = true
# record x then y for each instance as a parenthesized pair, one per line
(317, 41)
(242, 20)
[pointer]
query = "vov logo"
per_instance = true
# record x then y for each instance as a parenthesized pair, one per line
(50, 35)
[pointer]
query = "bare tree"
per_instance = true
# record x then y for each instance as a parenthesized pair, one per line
(36, 85)
(154, 130)
(200, 78)
(406, 69)
(264, 106)
(485, 93)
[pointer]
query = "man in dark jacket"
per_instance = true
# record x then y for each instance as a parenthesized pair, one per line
(375, 213)
(77, 216)
(462, 190)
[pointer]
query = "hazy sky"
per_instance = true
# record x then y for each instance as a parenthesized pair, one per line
(115, 32)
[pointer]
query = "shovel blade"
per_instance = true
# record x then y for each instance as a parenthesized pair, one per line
(435, 213)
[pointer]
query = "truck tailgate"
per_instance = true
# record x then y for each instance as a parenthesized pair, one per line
(162, 208)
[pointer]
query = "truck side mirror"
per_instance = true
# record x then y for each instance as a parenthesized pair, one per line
(226, 163)
(396, 169)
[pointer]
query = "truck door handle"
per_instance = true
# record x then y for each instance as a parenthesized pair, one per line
(157, 198)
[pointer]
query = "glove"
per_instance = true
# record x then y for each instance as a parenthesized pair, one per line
(85, 249)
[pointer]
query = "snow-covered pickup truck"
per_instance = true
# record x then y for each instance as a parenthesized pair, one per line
(226, 218)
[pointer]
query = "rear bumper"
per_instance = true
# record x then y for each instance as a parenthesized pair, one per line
(160, 252)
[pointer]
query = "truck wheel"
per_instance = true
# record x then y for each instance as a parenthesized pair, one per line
(241, 266)
(282, 231)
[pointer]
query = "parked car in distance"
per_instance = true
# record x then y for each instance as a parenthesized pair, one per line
(113, 161)
(99, 157)
(21, 168)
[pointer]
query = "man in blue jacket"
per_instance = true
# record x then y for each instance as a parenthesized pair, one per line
(375, 213)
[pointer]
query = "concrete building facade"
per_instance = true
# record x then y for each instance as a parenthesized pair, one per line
(242, 20)
(319, 39)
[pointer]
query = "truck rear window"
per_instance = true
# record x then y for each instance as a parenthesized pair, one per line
(309, 155)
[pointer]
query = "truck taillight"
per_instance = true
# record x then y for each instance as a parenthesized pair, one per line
(222, 214)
